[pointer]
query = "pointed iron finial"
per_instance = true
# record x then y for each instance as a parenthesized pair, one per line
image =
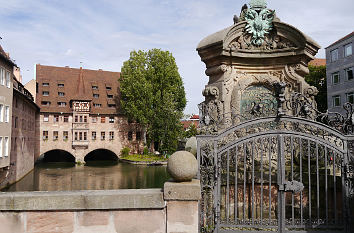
(258, 4)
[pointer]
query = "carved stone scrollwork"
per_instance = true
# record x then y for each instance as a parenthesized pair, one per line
(210, 111)
(270, 42)
(217, 70)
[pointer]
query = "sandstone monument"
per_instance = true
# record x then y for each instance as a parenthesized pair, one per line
(257, 58)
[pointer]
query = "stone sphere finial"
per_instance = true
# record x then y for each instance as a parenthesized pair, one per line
(191, 145)
(182, 166)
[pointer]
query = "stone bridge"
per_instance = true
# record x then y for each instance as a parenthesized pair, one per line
(78, 152)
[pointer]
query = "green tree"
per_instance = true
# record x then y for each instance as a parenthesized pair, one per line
(191, 131)
(317, 78)
(152, 93)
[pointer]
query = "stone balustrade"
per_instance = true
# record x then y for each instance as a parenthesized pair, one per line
(171, 209)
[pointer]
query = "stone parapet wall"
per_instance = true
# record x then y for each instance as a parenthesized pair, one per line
(173, 209)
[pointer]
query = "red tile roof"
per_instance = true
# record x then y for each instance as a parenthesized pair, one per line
(318, 62)
(78, 85)
(340, 40)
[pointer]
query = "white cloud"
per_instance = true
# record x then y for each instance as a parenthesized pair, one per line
(101, 34)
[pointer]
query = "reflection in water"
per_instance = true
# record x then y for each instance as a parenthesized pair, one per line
(95, 175)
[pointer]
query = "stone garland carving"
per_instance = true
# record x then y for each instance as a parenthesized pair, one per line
(270, 42)
(211, 110)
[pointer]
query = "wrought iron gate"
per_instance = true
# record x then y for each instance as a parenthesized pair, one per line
(278, 173)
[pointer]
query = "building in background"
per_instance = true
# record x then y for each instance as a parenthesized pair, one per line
(192, 120)
(31, 86)
(6, 95)
(24, 134)
(318, 62)
(79, 112)
(340, 78)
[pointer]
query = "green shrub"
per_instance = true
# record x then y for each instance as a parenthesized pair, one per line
(125, 151)
(146, 151)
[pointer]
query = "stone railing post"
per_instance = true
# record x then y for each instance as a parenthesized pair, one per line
(182, 193)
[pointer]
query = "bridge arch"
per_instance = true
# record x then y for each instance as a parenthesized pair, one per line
(101, 154)
(56, 155)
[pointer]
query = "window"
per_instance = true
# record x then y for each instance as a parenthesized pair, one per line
(1, 113)
(103, 136)
(76, 118)
(7, 114)
(1, 153)
(111, 119)
(349, 73)
(350, 97)
(46, 118)
(80, 136)
(94, 87)
(348, 50)
(108, 88)
(56, 118)
(97, 105)
(60, 84)
(55, 135)
(45, 93)
(80, 118)
(334, 55)
(93, 135)
(45, 84)
(45, 135)
(61, 94)
(130, 135)
(111, 135)
(336, 101)
(110, 96)
(85, 136)
(65, 135)
(75, 136)
(335, 78)
(103, 119)
(66, 118)
(8, 84)
(138, 136)
(85, 119)
(6, 146)
(61, 104)
(2, 76)
(15, 123)
(94, 119)
(45, 103)
(96, 95)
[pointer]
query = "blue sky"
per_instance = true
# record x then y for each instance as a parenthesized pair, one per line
(101, 34)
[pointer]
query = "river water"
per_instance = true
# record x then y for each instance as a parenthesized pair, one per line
(95, 175)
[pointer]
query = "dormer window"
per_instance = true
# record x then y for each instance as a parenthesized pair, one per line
(61, 94)
(97, 105)
(96, 95)
(45, 93)
(108, 88)
(94, 87)
(110, 96)
(45, 103)
(61, 104)
(60, 84)
(45, 84)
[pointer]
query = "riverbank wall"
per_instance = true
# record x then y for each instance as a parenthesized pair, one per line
(171, 209)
